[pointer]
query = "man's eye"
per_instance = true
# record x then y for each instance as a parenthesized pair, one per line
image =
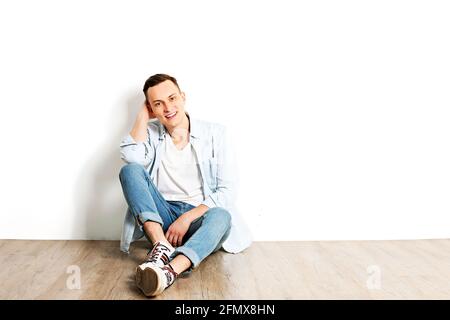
(157, 104)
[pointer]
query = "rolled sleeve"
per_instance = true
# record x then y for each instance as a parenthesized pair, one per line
(136, 152)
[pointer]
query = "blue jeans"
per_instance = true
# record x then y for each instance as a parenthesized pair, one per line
(205, 234)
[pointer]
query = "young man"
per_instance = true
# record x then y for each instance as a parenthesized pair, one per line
(179, 186)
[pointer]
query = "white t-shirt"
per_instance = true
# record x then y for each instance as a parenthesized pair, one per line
(178, 177)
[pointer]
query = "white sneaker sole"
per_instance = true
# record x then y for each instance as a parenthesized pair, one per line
(150, 280)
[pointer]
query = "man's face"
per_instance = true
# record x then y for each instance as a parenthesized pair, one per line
(167, 103)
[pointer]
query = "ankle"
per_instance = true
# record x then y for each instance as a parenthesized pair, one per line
(164, 242)
(173, 270)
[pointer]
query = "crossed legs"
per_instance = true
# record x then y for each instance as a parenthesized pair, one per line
(154, 231)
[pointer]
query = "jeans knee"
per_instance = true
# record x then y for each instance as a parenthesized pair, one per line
(131, 169)
(220, 214)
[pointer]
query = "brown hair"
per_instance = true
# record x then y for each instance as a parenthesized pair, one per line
(157, 79)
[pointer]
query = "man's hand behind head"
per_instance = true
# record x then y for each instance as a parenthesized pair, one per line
(146, 112)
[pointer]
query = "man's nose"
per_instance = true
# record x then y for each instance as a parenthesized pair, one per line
(170, 106)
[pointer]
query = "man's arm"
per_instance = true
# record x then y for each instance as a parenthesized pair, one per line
(135, 147)
(195, 213)
(139, 130)
(180, 226)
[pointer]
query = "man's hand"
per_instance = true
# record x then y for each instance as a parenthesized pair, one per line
(146, 112)
(179, 227)
(177, 230)
(139, 130)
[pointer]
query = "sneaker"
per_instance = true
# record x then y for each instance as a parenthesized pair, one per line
(158, 256)
(153, 280)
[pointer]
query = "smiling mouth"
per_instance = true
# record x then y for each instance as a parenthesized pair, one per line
(171, 115)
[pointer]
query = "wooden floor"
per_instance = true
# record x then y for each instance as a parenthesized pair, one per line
(416, 269)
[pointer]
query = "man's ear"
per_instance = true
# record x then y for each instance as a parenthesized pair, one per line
(149, 108)
(183, 96)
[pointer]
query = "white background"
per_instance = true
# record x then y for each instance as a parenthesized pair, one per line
(340, 110)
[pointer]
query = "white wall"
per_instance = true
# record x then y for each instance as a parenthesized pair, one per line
(342, 109)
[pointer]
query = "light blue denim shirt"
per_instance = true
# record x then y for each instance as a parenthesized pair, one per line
(217, 168)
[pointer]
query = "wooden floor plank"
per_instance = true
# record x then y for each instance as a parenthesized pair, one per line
(408, 269)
